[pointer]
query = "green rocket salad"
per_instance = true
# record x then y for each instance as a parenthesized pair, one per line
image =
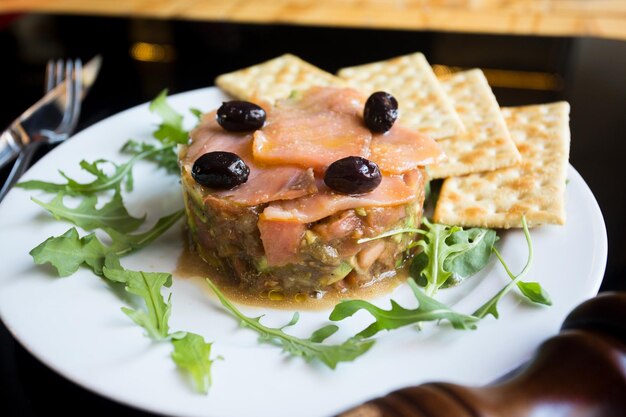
(446, 256)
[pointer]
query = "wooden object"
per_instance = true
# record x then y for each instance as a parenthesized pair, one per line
(578, 373)
(600, 18)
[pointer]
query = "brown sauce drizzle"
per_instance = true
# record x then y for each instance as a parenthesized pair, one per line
(191, 266)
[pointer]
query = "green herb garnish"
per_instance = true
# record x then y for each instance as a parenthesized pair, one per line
(169, 134)
(450, 254)
(310, 348)
(66, 253)
(193, 355)
(146, 285)
(113, 215)
(459, 254)
(170, 130)
(164, 156)
(532, 290)
(391, 233)
(103, 181)
(429, 309)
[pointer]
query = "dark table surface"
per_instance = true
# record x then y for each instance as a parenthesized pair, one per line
(589, 73)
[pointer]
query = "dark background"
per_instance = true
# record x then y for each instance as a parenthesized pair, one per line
(589, 73)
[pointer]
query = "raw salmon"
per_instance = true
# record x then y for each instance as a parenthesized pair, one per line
(314, 131)
(393, 190)
(401, 150)
(265, 183)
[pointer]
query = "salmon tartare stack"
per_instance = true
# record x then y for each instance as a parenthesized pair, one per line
(281, 198)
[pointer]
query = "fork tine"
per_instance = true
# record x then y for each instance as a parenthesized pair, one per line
(69, 93)
(59, 72)
(74, 76)
(50, 72)
(78, 93)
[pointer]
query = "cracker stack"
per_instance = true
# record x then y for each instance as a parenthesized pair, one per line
(482, 144)
(501, 164)
(535, 187)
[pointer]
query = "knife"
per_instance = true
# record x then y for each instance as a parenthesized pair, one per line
(48, 111)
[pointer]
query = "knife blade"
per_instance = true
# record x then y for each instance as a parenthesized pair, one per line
(47, 112)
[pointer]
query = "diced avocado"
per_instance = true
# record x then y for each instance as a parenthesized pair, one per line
(409, 221)
(197, 211)
(192, 225)
(310, 237)
(339, 273)
(261, 264)
(194, 193)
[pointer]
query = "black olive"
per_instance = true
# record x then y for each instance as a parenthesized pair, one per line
(381, 111)
(223, 170)
(353, 175)
(240, 116)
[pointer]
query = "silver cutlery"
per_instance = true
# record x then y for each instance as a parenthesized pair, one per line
(45, 114)
(50, 123)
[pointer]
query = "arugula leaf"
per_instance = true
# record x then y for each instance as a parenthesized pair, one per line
(146, 285)
(170, 130)
(464, 264)
(535, 292)
(428, 310)
(66, 253)
(102, 182)
(430, 262)
(450, 254)
(124, 244)
(112, 215)
(193, 355)
(310, 348)
(164, 156)
(391, 233)
(323, 333)
(491, 306)
(531, 290)
(169, 133)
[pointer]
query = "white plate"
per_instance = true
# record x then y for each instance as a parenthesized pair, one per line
(75, 326)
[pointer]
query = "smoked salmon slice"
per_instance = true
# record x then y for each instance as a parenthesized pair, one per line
(265, 183)
(322, 126)
(281, 240)
(401, 150)
(393, 190)
(326, 124)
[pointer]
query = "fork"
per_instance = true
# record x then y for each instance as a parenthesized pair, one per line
(56, 73)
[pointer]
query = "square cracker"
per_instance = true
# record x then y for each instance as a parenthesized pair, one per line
(486, 145)
(535, 187)
(410, 79)
(275, 79)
